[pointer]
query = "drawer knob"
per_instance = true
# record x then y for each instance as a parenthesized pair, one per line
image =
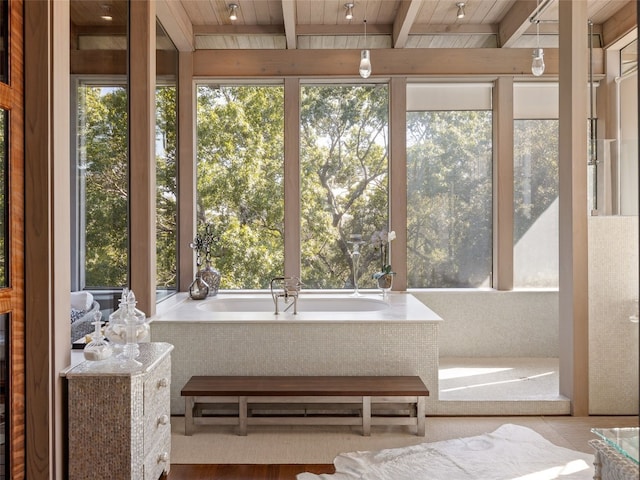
(163, 457)
(163, 382)
(163, 419)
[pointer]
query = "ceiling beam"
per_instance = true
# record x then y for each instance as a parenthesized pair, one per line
(238, 30)
(350, 29)
(516, 21)
(413, 62)
(458, 28)
(620, 24)
(289, 15)
(99, 30)
(345, 29)
(404, 21)
(176, 23)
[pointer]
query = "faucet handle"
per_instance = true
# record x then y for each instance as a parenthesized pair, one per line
(293, 284)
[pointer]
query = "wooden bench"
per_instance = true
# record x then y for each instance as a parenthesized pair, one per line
(203, 392)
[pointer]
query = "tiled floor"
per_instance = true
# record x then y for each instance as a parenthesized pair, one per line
(495, 379)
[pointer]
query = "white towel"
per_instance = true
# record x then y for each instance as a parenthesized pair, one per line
(81, 300)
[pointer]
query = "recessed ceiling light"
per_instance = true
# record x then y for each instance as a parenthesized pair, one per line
(349, 14)
(106, 13)
(233, 11)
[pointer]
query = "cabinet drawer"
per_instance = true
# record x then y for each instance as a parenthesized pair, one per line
(158, 460)
(157, 408)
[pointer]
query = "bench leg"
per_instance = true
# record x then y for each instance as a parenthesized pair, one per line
(242, 413)
(366, 416)
(420, 417)
(188, 416)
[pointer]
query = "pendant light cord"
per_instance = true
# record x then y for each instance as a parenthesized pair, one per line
(537, 24)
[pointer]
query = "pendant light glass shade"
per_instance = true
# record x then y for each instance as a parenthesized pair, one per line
(537, 65)
(365, 64)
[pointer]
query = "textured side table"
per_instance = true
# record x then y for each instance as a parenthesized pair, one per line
(611, 464)
(119, 420)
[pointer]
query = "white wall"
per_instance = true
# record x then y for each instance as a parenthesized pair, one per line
(490, 323)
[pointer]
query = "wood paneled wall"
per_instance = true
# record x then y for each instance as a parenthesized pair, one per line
(12, 297)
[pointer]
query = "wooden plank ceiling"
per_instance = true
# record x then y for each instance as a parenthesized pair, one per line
(321, 24)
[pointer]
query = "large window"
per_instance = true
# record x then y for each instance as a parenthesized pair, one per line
(343, 169)
(240, 196)
(449, 187)
(166, 189)
(535, 193)
(166, 165)
(535, 218)
(101, 185)
(343, 179)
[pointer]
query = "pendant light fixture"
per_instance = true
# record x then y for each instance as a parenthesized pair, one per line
(460, 6)
(537, 64)
(365, 55)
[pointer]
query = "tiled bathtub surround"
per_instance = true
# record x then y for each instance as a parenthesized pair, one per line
(613, 297)
(491, 323)
(400, 341)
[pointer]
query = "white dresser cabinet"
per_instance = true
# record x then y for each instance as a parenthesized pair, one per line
(119, 420)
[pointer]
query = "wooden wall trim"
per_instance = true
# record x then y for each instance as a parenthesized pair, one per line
(60, 222)
(13, 297)
(38, 259)
(47, 260)
(114, 62)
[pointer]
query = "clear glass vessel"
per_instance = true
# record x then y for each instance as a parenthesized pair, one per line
(98, 348)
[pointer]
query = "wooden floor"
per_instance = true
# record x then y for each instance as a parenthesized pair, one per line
(243, 472)
(576, 430)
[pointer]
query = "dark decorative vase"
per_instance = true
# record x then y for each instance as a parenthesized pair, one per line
(199, 289)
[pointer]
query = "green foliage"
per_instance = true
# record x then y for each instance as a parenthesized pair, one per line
(102, 154)
(240, 180)
(166, 188)
(535, 171)
(103, 160)
(449, 203)
(344, 175)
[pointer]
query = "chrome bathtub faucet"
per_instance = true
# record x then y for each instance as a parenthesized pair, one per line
(288, 289)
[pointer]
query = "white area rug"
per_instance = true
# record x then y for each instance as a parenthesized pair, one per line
(511, 452)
